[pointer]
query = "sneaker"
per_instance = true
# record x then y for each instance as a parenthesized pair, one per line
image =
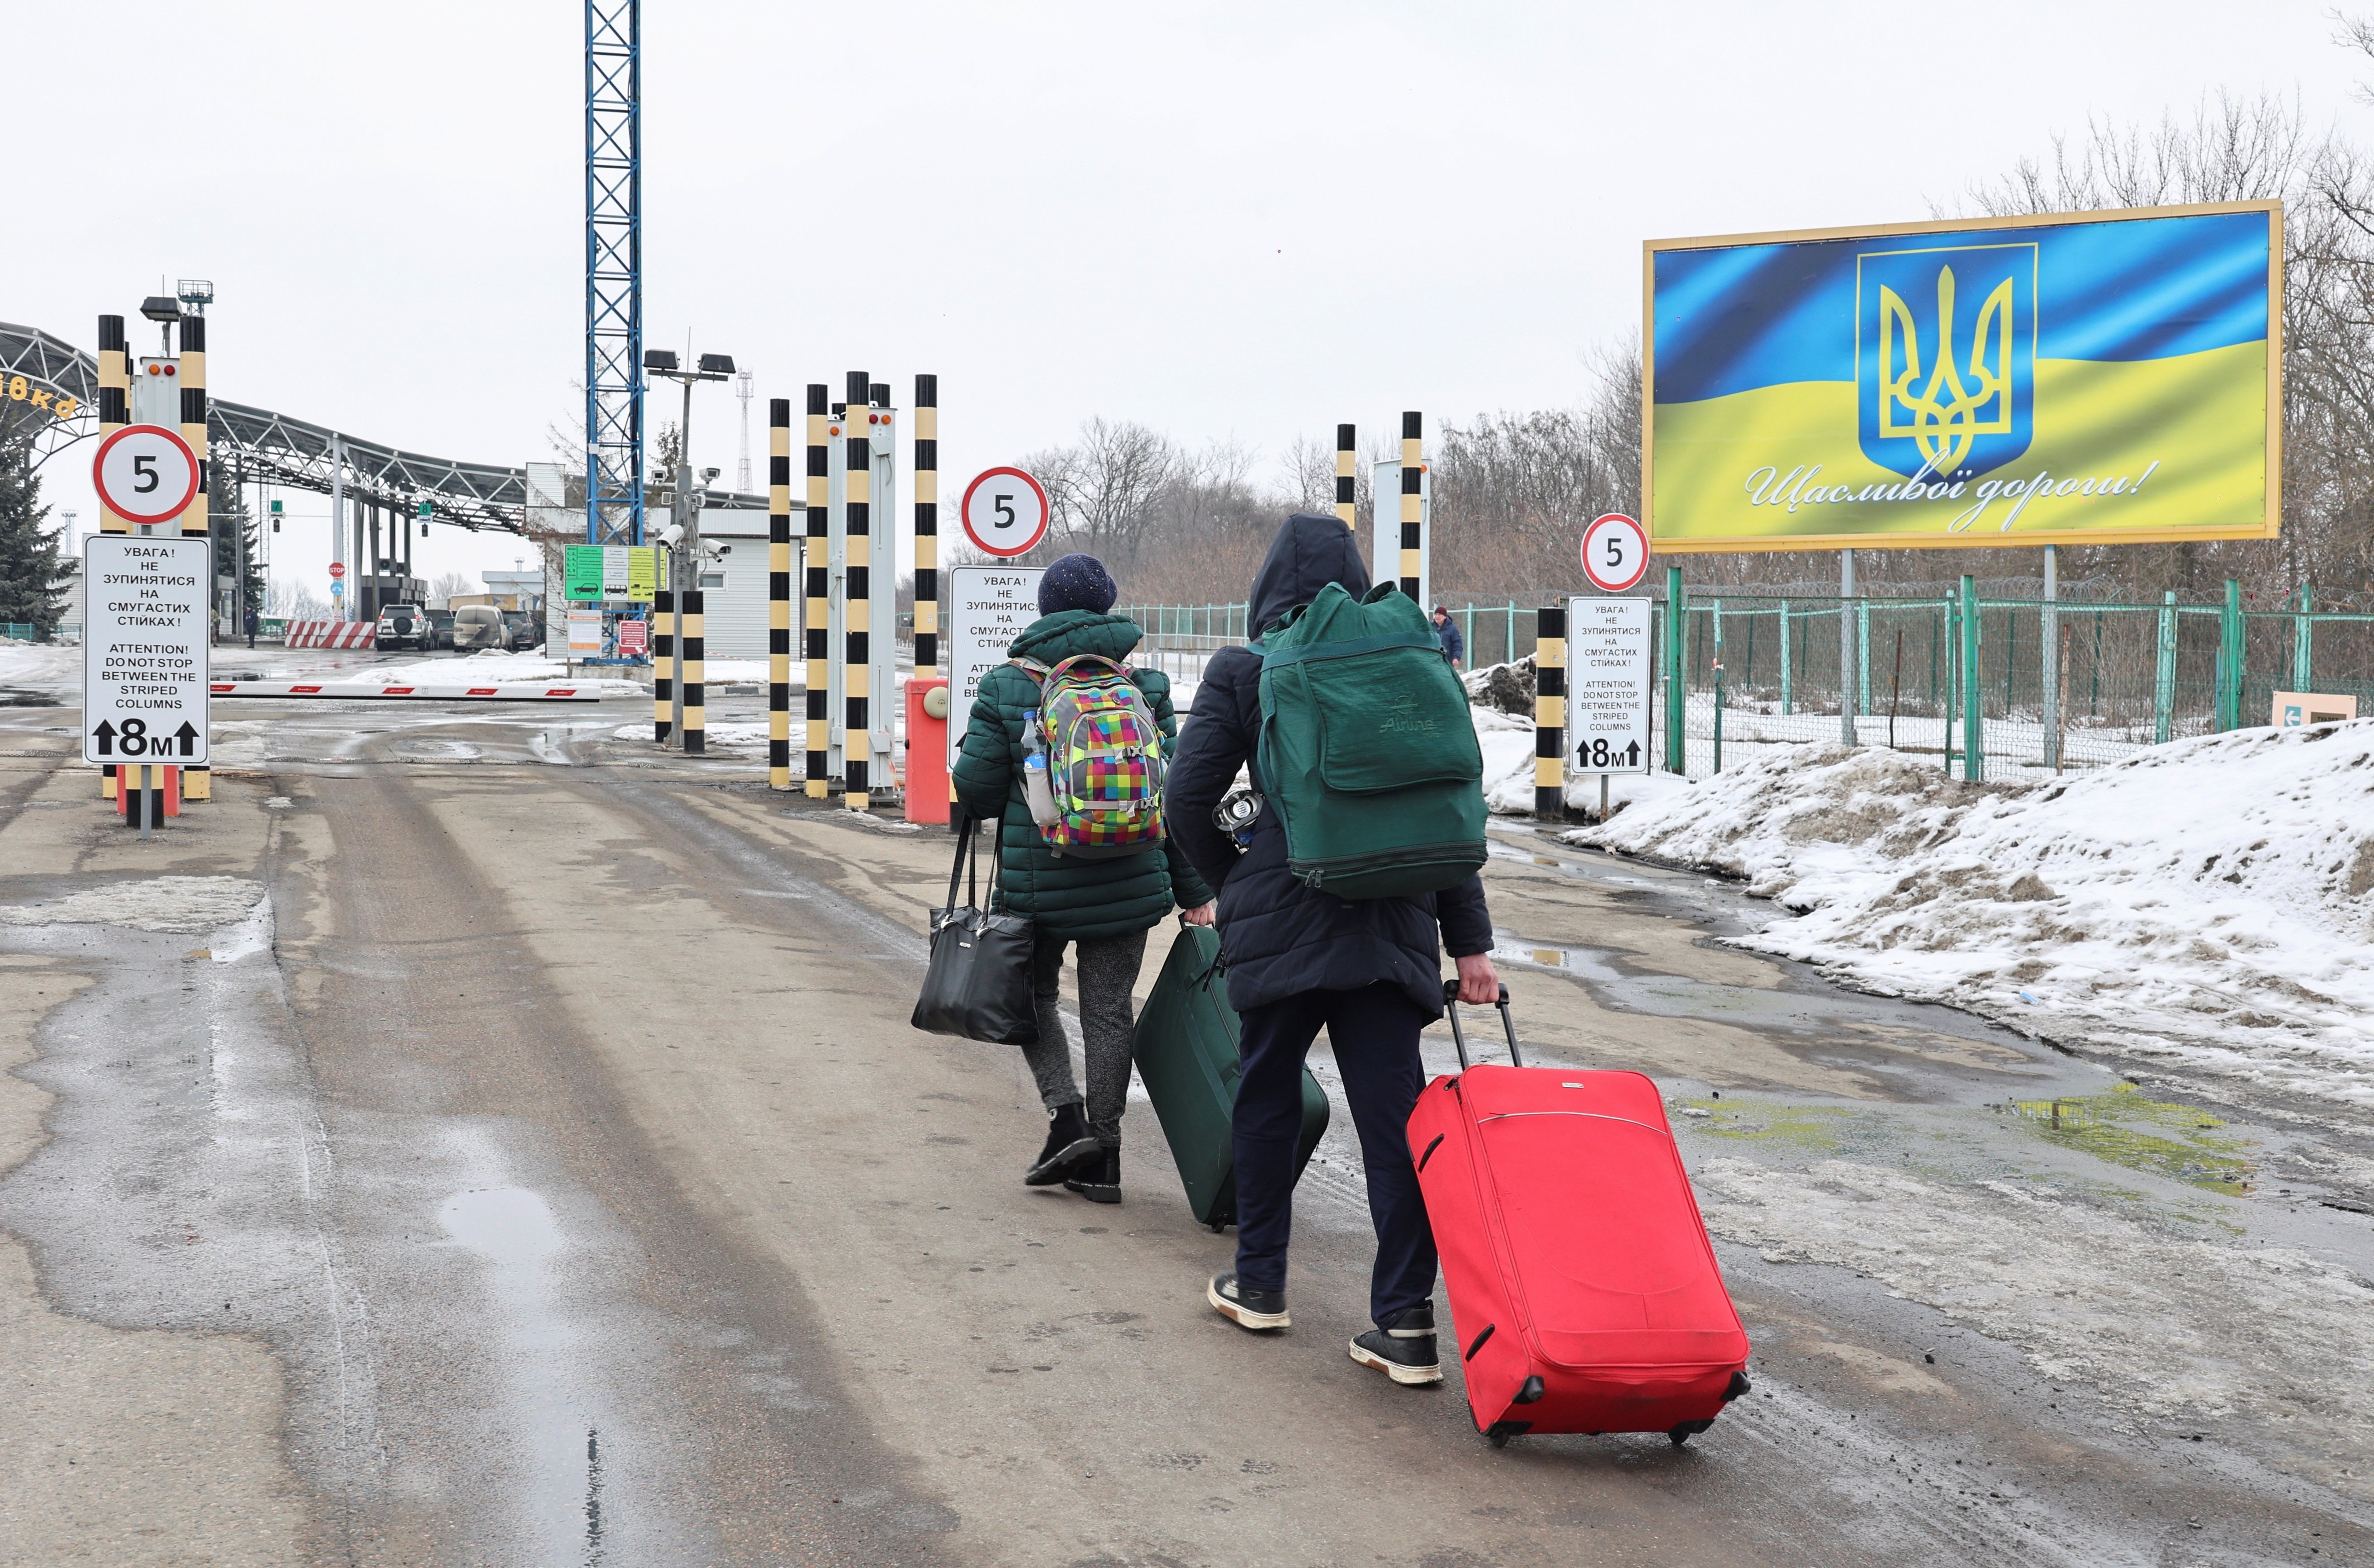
(1257, 1310)
(1403, 1349)
(1068, 1141)
(1098, 1176)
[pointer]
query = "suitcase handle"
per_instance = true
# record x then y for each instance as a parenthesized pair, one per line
(1507, 1024)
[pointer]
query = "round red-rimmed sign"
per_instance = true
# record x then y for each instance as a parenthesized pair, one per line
(1615, 552)
(146, 474)
(1005, 512)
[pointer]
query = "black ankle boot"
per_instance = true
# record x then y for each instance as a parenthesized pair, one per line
(1068, 1142)
(1098, 1177)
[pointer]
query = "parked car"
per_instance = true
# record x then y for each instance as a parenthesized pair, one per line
(479, 625)
(441, 627)
(403, 626)
(525, 631)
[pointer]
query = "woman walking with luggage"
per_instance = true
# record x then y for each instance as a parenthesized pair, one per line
(1366, 970)
(1102, 908)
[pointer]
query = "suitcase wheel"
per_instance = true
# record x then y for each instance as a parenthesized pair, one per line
(1498, 1432)
(1216, 1226)
(1687, 1431)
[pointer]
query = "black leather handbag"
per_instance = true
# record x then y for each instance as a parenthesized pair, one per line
(978, 986)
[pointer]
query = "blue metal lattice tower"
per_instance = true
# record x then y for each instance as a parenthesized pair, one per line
(613, 272)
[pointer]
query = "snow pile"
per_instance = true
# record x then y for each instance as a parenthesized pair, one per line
(1507, 742)
(52, 669)
(2203, 905)
(158, 904)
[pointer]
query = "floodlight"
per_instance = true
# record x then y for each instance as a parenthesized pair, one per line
(161, 307)
(659, 358)
(716, 364)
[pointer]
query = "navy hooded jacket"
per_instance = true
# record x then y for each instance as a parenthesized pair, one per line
(1280, 937)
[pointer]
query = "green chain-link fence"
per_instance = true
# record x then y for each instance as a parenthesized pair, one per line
(1963, 679)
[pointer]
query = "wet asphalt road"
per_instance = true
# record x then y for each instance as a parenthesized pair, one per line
(556, 1129)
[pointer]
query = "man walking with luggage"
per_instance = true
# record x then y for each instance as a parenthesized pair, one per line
(1100, 907)
(1368, 970)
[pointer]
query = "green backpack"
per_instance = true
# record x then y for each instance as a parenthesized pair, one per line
(1368, 753)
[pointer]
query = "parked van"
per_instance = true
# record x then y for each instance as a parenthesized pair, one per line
(479, 625)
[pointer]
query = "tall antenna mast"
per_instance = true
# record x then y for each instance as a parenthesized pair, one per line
(742, 391)
(613, 272)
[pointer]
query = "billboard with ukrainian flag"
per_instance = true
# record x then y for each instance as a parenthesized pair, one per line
(2071, 379)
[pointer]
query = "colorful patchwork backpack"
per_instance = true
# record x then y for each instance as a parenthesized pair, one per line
(1104, 757)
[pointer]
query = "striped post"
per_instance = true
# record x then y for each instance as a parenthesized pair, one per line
(858, 606)
(815, 632)
(115, 400)
(663, 660)
(1344, 457)
(1413, 477)
(927, 528)
(689, 631)
(1549, 712)
(197, 783)
(779, 593)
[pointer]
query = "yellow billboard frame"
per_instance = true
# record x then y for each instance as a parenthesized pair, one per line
(2268, 527)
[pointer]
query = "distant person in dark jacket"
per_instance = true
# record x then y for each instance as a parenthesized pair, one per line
(1454, 646)
(1369, 970)
(251, 627)
(1101, 909)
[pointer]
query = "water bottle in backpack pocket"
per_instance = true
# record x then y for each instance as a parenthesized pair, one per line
(1101, 752)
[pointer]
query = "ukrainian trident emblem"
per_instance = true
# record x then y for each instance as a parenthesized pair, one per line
(1955, 396)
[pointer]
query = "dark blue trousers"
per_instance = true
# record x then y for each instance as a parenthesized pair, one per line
(1374, 1032)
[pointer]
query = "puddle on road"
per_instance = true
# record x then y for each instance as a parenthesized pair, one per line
(1677, 996)
(2158, 1137)
(19, 697)
(513, 1229)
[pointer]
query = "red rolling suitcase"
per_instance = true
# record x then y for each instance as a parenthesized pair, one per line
(1585, 1295)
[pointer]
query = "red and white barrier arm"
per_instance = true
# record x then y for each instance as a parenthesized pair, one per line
(521, 692)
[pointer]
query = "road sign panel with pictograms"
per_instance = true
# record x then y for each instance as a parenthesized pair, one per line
(145, 646)
(146, 474)
(1005, 512)
(1607, 683)
(1615, 552)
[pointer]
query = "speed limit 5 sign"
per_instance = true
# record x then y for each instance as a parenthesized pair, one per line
(146, 474)
(1615, 552)
(1005, 512)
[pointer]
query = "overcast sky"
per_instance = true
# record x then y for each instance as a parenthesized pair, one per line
(1228, 222)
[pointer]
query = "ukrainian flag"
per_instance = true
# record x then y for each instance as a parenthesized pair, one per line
(2073, 379)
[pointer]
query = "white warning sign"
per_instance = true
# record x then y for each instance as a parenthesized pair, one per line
(1608, 683)
(988, 607)
(145, 636)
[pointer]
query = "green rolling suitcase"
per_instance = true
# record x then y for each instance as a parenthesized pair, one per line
(1186, 1049)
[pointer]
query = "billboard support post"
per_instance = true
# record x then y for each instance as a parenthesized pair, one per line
(1846, 649)
(2230, 663)
(2048, 664)
(2164, 680)
(1677, 632)
(1973, 708)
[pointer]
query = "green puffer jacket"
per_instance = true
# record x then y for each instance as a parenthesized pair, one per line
(1067, 896)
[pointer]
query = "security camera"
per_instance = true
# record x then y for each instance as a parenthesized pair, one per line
(672, 533)
(708, 476)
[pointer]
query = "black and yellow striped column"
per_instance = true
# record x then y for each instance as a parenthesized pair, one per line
(779, 593)
(1549, 712)
(1413, 476)
(115, 400)
(663, 661)
(197, 783)
(927, 528)
(815, 634)
(857, 604)
(689, 671)
(1345, 457)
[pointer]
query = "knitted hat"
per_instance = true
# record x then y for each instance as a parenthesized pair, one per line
(1076, 582)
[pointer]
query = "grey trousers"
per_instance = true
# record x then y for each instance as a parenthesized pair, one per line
(1108, 970)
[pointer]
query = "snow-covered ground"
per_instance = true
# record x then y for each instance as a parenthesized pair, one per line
(52, 669)
(488, 668)
(2203, 904)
